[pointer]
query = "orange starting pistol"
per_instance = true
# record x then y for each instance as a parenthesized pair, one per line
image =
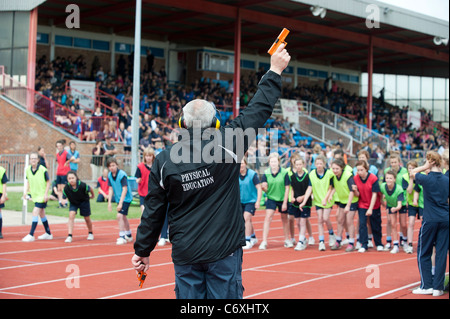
(278, 41)
(141, 277)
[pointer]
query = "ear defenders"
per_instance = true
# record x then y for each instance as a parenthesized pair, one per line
(215, 123)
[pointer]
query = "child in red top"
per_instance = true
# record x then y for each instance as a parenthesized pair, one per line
(368, 190)
(62, 169)
(142, 174)
(103, 187)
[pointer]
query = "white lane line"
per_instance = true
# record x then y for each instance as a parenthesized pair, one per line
(78, 277)
(320, 278)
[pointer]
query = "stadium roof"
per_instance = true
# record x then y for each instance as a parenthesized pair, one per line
(403, 43)
(19, 5)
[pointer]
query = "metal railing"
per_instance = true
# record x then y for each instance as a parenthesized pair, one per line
(52, 111)
(14, 165)
(97, 102)
(12, 88)
(359, 132)
(329, 119)
(325, 133)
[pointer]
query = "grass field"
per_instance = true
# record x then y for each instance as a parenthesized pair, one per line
(99, 211)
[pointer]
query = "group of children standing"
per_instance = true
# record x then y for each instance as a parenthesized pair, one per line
(407, 193)
(113, 186)
(355, 191)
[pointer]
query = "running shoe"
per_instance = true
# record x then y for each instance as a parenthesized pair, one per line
(248, 245)
(322, 246)
(336, 246)
(121, 241)
(28, 238)
(300, 246)
(350, 248)
(395, 250)
(288, 243)
(420, 291)
(263, 245)
(437, 293)
(332, 240)
(409, 249)
(45, 236)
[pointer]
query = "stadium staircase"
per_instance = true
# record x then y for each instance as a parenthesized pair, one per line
(47, 109)
(327, 127)
(53, 112)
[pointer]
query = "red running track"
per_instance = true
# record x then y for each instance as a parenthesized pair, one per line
(101, 269)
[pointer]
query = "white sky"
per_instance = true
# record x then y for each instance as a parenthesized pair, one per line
(435, 8)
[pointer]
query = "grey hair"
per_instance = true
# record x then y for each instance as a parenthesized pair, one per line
(198, 113)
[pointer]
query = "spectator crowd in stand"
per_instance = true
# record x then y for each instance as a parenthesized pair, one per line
(161, 103)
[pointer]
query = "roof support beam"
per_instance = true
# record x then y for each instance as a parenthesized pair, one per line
(229, 11)
(165, 19)
(100, 11)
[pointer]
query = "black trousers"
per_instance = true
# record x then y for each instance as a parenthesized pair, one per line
(432, 234)
(221, 279)
(375, 223)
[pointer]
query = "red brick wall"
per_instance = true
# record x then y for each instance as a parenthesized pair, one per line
(21, 133)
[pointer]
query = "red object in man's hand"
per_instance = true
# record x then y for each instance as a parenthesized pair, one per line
(141, 277)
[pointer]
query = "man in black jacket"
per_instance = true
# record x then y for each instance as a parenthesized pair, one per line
(197, 183)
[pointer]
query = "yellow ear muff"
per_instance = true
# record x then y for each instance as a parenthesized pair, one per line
(181, 122)
(217, 124)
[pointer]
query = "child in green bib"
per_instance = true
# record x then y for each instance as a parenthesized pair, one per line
(414, 197)
(346, 201)
(395, 201)
(275, 182)
(38, 188)
(395, 162)
(320, 178)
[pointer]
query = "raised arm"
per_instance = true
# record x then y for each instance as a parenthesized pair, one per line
(261, 106)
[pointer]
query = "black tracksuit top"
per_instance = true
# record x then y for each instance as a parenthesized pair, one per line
(202, 199)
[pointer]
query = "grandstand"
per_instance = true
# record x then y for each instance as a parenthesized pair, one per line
(78, 81)
(364, 75)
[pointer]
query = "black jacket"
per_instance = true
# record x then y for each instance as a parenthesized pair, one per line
(202, 196)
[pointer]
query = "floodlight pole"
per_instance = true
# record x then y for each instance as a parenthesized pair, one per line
(369, 88)
(136, 87)
(237, 65)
